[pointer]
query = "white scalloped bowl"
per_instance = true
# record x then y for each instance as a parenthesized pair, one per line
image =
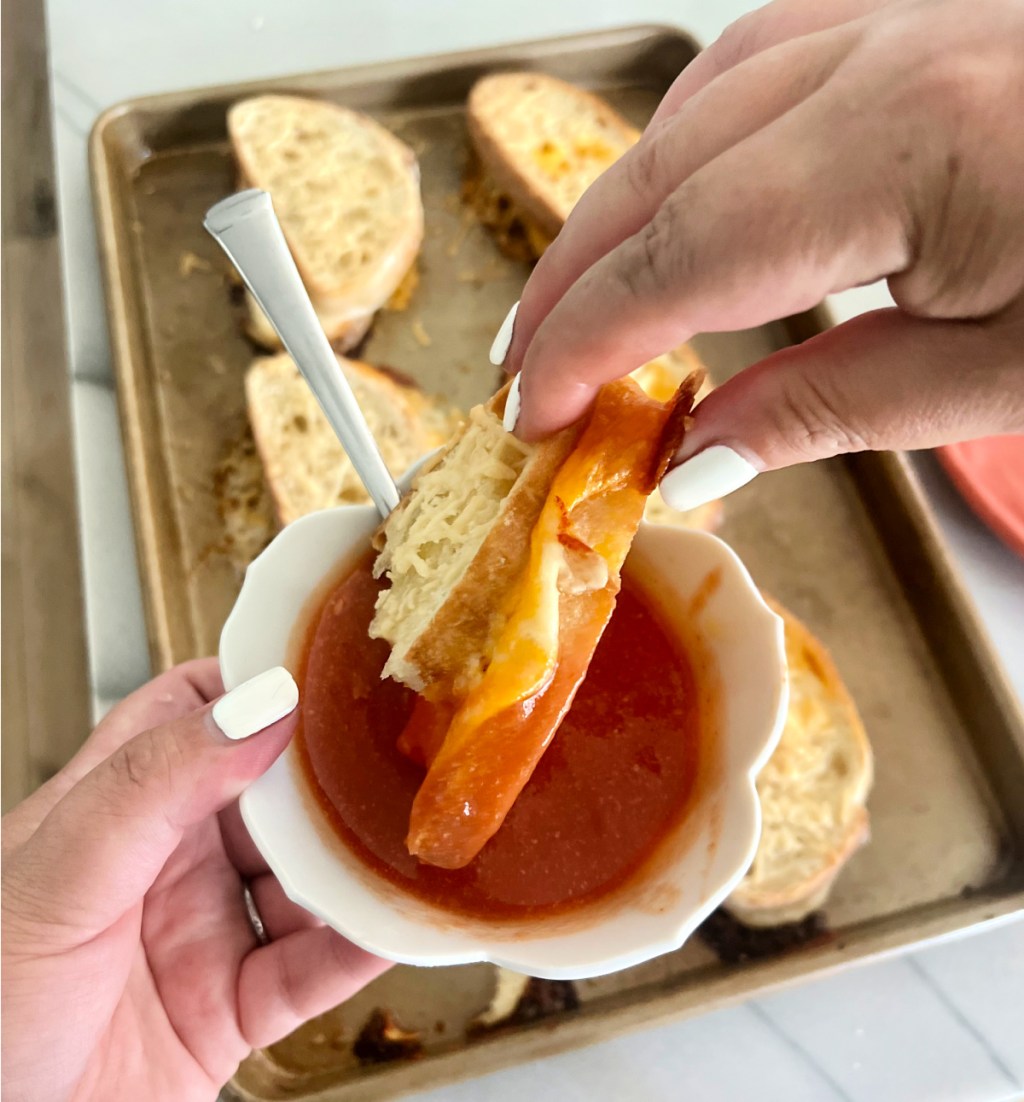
(741, 676)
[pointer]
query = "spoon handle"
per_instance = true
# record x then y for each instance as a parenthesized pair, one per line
(246, 228)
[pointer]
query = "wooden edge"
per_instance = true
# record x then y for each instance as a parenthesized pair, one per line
(46, 692)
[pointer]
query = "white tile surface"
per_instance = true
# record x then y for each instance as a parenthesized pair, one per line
(982, 979)
(886, 1035)
(947, 1025)
(724, 1056)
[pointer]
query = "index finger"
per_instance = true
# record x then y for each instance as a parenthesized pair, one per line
(767, 229)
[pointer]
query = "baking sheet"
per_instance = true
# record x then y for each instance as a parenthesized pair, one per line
(847, 544)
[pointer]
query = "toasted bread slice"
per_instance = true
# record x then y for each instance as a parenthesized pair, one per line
(347, 193)
(813, 791)
(306, 467)
(539, 143)
(531, 540)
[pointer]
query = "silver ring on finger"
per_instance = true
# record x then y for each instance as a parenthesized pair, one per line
(255, 918)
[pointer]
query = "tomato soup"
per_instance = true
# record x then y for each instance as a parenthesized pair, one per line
(615, 780)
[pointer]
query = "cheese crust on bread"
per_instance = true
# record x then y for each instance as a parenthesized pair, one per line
(539, 143)
(538, 572)
(812, 790)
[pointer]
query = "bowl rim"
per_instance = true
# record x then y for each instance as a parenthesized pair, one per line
(738, 793)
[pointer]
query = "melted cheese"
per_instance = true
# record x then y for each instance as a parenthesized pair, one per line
(557, 159)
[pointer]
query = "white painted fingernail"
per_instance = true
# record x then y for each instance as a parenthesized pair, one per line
(710, 474)
(256, 703)
(512, 403)
(500, 347)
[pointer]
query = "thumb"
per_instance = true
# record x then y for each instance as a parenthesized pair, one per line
(105, 842)
(885, 380)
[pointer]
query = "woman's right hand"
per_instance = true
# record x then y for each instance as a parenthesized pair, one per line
(813, 148)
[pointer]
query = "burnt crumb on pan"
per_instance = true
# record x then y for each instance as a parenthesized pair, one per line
(733, 942)
(539, 999)
(382, 1040)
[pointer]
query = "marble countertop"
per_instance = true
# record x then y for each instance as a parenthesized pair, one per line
(943, 1022)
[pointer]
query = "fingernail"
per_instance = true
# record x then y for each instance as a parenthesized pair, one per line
(256, 703)
(710, 474)
(512, 403)
(500, 347)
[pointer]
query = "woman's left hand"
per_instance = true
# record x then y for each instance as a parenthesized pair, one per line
(130, 966)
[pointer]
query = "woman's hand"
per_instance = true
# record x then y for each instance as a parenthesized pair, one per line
(813, 148)
(130, 966)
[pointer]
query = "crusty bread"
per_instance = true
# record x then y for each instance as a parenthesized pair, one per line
(539, 143)
(813, 791)
(660, 378)
(347, 194)
(452, 548)
(306, 467)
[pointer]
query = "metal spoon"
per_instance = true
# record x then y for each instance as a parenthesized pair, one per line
(246, 228)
